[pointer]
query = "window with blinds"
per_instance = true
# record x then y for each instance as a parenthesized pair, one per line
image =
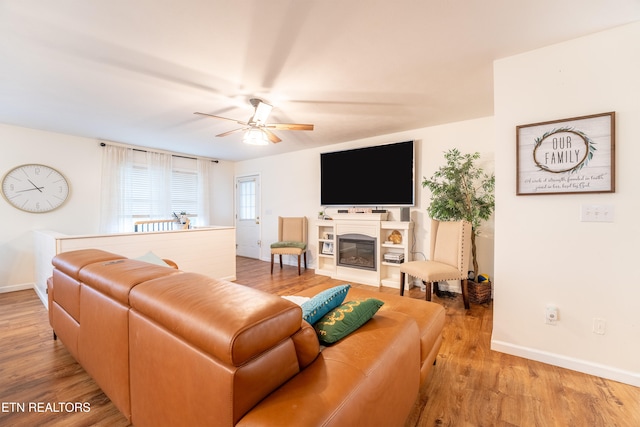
(183, 193)
(139, 193)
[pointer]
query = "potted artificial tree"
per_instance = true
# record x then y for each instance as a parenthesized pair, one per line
(460, 190)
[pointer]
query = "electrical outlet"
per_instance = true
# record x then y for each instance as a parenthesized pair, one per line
(551, 315)
(599, 326)
(596, 213)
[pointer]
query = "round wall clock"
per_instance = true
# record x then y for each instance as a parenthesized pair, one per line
(35, 188)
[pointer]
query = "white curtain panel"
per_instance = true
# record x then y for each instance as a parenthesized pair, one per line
(116, 205)
(158, 166)
(204, 188)
(136, 185)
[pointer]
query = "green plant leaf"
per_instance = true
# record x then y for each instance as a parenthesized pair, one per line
(460, 190)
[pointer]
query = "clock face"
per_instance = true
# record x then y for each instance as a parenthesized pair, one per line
(35, 188)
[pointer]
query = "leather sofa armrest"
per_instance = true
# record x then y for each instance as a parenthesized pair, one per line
(232, 322)
(306, 344)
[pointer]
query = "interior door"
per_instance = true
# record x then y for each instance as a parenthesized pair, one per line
(248, 216)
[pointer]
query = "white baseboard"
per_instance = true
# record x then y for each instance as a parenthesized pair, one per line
(43, 297)
(596, 369)
(14, 288)
(24, 286)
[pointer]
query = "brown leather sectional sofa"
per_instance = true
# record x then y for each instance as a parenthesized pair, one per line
(175, 348)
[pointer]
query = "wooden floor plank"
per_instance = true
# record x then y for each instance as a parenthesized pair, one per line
(469, 386)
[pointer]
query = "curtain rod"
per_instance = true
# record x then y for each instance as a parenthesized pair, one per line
(145, 150)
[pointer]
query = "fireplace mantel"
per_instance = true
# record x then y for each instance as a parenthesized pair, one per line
(382, 216)
(373, 225)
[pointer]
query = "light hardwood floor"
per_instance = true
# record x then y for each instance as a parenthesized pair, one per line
(469, 386)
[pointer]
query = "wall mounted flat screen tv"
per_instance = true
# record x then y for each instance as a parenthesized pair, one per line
(382, 175)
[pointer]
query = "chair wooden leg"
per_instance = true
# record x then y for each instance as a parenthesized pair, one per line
(280, 261)
(465, 293)
(427, 294)
(401, 283)
(305, 260)
(298, 265)
(271, 263)
(436, 289)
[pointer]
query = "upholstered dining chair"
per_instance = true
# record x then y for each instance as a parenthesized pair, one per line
(292, 239)
(450, 247)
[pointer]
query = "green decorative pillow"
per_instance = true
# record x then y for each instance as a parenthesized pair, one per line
(341, 321)
(322, 303)
(152, 258)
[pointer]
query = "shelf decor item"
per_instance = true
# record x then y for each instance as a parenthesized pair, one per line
(327, 248)
(566, 156)
(460, 190)
(395, 237)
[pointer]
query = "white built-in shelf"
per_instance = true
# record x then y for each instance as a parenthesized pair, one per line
(373, 225)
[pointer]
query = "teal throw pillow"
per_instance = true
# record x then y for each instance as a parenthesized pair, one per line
(324, 302)
(341, 321)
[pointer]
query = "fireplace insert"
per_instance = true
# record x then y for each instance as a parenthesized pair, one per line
(357, 251)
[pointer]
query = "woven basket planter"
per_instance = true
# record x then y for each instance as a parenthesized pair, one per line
(479, 293)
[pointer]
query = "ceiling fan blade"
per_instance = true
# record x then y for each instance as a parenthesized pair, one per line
(231, 131)
(288, 126)
(223, 118)
(272, 136)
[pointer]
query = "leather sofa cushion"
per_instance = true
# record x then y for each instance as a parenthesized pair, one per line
(73, 261)
(116, 278)
(232, 322)
(370, 378)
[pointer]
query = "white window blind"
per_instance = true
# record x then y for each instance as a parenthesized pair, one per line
(140, 201)
(184, 191)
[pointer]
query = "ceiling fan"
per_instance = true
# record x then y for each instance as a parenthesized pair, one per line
(258, 131)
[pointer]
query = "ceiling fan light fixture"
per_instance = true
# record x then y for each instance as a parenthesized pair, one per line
(262, 112)
(257, 131)
(255, 136)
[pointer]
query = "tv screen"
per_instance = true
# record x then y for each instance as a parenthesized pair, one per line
(382, 175)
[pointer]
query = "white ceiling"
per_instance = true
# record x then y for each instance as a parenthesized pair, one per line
(135, 71)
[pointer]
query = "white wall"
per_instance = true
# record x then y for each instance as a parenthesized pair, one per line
(80, 161)
(290, 182)
(543, 253)
(289, 187)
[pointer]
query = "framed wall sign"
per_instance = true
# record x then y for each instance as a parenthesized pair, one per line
(566, 156)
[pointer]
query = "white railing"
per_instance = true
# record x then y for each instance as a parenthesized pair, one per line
(160, 225)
